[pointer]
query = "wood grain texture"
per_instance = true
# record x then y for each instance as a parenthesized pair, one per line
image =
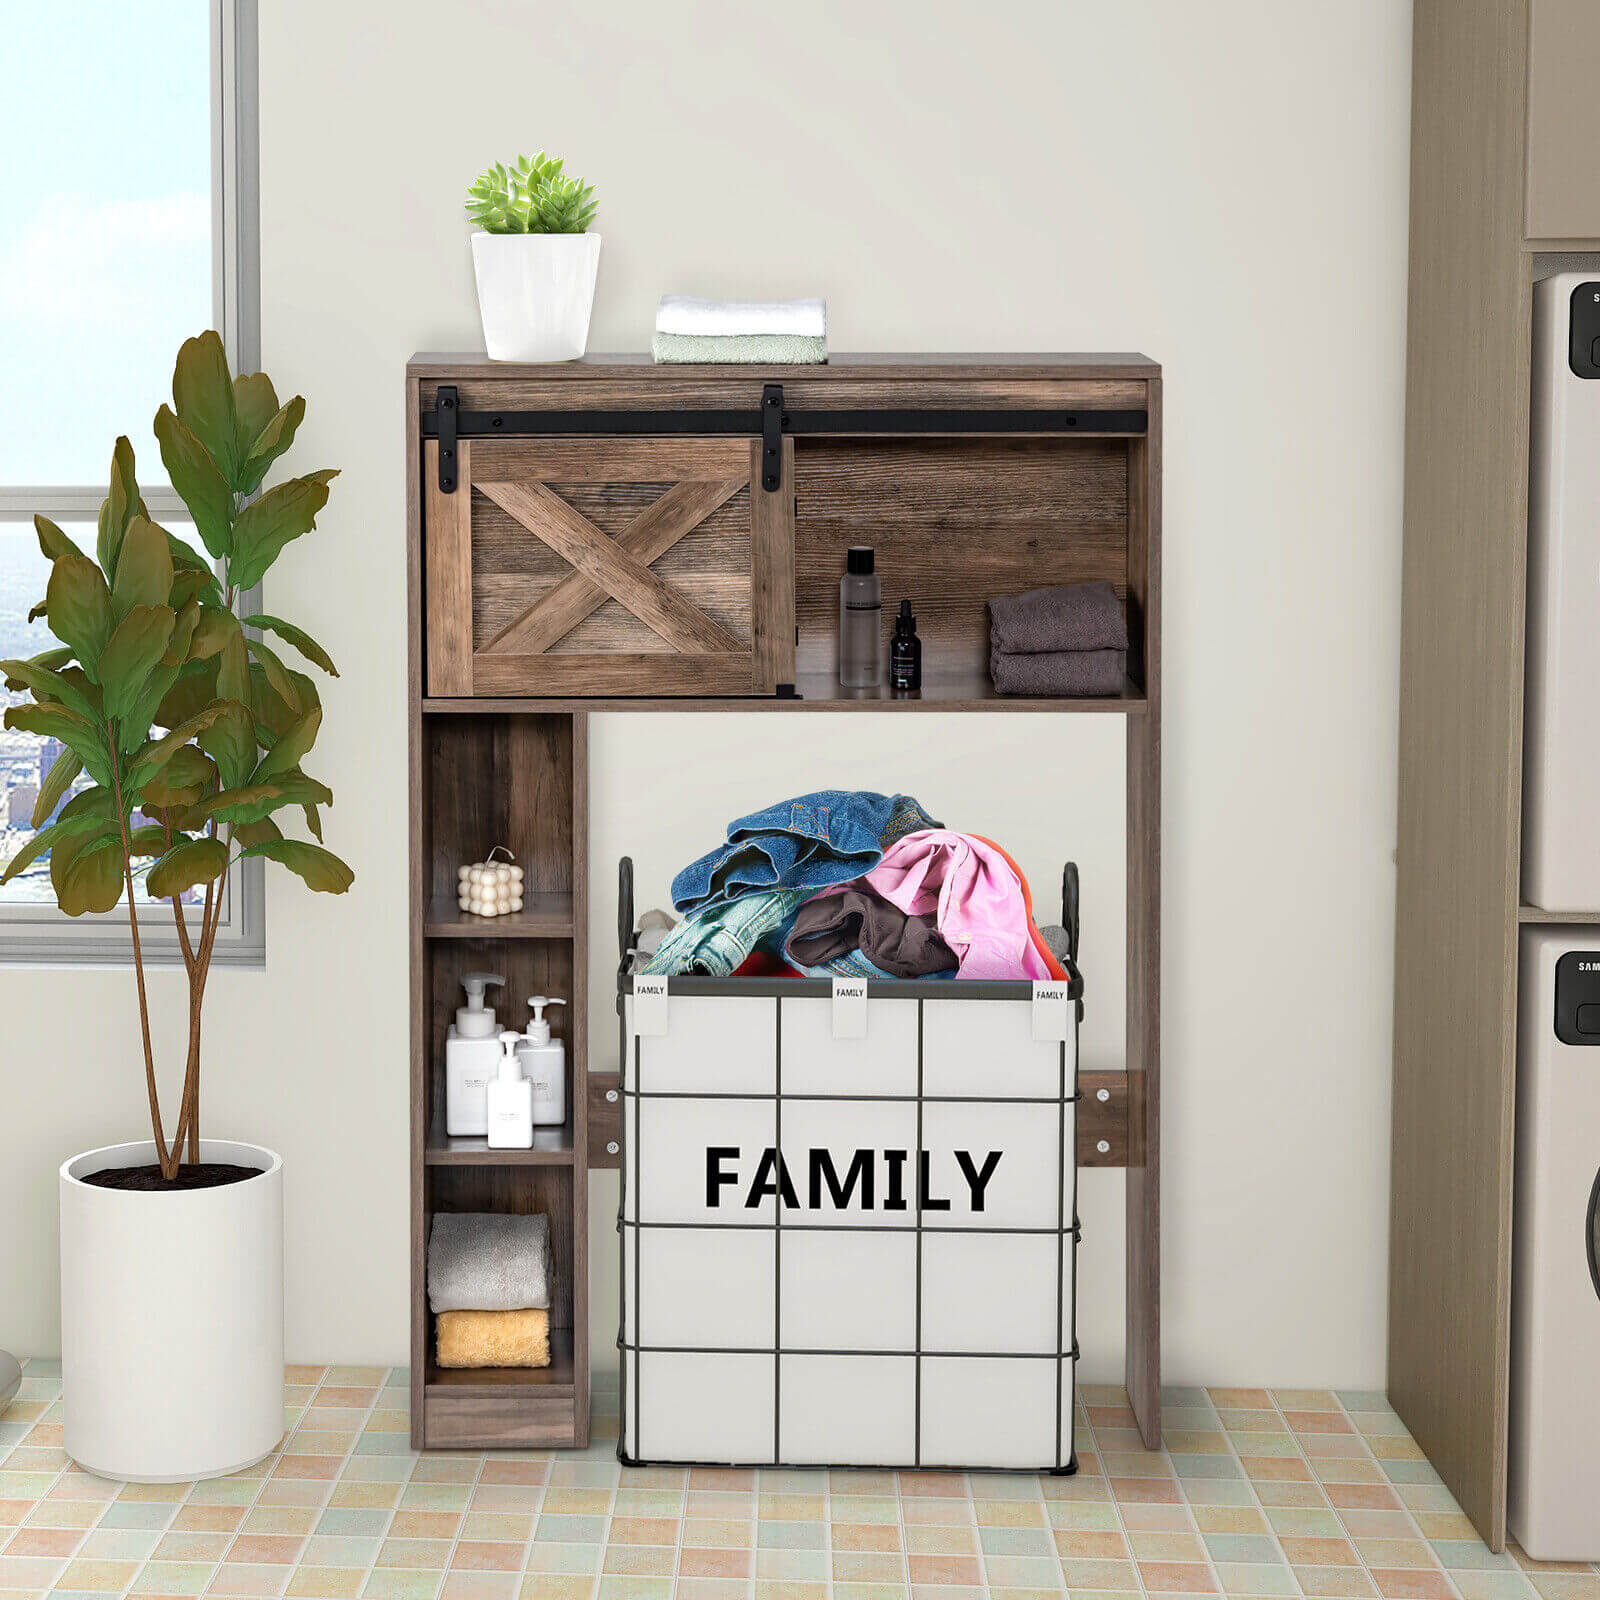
(1563, 189)
(578, 1071)
(1463, 595)
(649, 597)
(499, 1419)
(448, 539)
(1142, 1353)
(947, 537)
(553, 674)
(772, 572)
(651, 534)
(601, 459)
(418, 888)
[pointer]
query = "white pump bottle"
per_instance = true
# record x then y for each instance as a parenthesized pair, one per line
(510, 1099)
(471, 1052)
(544, 1064)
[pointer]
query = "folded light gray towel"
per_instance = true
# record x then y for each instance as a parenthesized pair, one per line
(1076, 616)
(1061, 672)
(739, 349)
(488, 1261)
(1056, 940)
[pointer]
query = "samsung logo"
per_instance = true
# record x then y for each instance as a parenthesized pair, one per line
(1589, 966)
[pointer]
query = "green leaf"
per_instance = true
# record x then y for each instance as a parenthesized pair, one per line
(183, 633)
(233, 670)
(188, 775)
(133, 650)
(144, 568)
(59, 779)
(52, 541)
(230, 740)
(255, 832)
(77, 733)
(270, 443)
(149, 841)
(313, 822)
(46, 685)
(290, 746)
(217, 625)
(197, 477)
(202, 393)
(134, 728)
(277, 674)
(78, 827)
(265, 526)
(298, 637)
(92, 879)
(274, 715)
(195, 861)
(255, 404)
(120, 506)
(78, 604)
(195, 689)
(321, 869)
(247, 804)
(155, 757)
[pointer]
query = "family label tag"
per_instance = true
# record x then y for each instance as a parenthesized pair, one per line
(1049, 1010)
(650, 1007)
(849, 1008)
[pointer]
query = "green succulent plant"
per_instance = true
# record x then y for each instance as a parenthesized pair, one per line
(532, 195)
(156, 690)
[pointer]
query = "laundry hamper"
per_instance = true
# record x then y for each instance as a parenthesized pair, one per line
(849, 1228)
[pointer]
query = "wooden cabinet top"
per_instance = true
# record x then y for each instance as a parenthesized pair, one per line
(960, 367)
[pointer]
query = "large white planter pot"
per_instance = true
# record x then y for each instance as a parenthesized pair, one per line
(171, 1319)
(535, 293)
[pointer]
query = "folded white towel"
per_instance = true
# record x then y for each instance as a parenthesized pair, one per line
(803, 319)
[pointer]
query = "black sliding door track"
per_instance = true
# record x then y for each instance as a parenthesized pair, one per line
(747, 424)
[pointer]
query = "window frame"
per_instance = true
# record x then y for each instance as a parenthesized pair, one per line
(43, 934)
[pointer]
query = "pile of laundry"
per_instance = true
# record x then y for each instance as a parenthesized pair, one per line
(853, 884)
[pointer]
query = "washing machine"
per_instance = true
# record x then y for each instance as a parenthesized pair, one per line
(1555, 1321)
(1561, 731)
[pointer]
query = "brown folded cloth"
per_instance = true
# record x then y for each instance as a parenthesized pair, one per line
(834, 925)
(1076, 616)
(494, 1338)
(1061, 672)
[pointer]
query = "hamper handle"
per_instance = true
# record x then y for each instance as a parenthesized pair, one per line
(1069, 906)
(625, 906)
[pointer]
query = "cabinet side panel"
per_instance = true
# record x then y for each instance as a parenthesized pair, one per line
(1563, 120)
(1460, 748)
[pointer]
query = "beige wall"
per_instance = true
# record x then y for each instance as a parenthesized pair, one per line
(1222, 186)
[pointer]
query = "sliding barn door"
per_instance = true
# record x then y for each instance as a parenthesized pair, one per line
(609, 566)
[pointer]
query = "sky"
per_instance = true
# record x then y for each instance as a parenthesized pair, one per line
(105, 227)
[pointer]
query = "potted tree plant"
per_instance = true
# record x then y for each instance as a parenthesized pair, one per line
(184, 740)
(535, 259)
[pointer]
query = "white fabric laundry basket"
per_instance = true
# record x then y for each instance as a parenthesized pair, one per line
(849, 1230)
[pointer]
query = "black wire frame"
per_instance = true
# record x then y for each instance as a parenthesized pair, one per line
(1067, 1232)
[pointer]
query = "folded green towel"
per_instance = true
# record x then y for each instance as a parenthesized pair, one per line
(758, 349)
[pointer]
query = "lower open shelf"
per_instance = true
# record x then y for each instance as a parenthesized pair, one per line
(558, 1375)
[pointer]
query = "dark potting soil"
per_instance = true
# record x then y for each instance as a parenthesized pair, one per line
(202, 1175)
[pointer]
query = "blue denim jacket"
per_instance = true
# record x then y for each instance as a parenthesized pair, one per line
(810, 842)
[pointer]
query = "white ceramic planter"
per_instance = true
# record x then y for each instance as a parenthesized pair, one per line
(535, 293)
(171, 1319)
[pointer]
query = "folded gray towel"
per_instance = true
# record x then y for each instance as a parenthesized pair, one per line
(489, 1261)
(1061, 672)
(1077, 616)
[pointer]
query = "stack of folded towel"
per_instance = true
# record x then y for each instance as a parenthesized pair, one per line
(489, 1289)
(762, 332)
(1067, 641)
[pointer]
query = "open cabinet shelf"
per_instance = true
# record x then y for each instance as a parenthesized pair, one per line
(612, 535)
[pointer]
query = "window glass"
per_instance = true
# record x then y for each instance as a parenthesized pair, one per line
(105, 228)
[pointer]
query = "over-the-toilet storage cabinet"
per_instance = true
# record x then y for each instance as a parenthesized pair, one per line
(1505, 189)
(611, 535)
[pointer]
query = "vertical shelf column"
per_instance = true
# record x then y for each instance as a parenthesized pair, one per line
(1142, 1358)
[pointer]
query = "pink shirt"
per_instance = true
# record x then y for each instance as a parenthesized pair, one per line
(973, 894)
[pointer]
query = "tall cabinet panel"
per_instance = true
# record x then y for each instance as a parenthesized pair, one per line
(1564, 120)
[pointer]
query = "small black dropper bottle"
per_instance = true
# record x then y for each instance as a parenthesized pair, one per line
(905, 653)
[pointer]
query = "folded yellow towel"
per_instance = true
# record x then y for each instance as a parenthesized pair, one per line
(494, 1338)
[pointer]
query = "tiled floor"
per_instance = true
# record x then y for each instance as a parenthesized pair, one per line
(1293, 1493)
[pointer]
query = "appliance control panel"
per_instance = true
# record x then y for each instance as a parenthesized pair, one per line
(1578, 997)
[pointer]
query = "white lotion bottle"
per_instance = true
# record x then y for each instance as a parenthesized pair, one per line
(510, 1101)
(471, 1055)
(544, 1064)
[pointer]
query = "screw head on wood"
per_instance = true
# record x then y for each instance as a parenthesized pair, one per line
(1102, 1095)
(611, 1147)
(1102, 1146)
(611, 1096)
